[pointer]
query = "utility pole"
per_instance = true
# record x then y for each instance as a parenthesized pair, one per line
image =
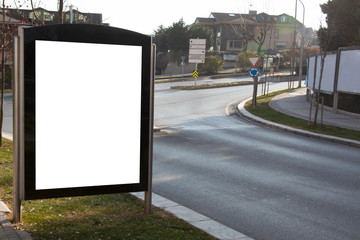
(302, 46)
(293, 61)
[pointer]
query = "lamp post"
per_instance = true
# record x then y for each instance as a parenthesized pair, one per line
(301, 46)
(302, 43)
(293, 58)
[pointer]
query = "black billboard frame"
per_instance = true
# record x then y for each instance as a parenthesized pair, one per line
(25, 111)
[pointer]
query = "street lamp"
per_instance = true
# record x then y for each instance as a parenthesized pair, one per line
(302, 46)
(302, 43)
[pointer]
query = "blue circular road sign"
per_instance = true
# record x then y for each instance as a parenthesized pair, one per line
(254, 72)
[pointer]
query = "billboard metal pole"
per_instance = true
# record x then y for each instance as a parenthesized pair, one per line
(18, 128)
(148, 193)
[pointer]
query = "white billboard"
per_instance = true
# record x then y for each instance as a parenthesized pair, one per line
(349, 72)
(328, 77)
(88, 99)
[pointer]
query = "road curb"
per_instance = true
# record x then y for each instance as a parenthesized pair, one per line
(242, 112)
(200, 221)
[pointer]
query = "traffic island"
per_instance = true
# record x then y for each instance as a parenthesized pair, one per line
(265, 115)
(207, 86)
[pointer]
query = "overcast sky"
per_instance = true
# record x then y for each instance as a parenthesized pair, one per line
(145, 16)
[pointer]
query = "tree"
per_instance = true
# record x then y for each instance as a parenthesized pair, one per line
(8, 30)
(160, 39)
(61, 8)
(202, 32)
(263, 28)
(256, 34)
(327, 43)
(177, 36)
(173, 42)
(7, 36)
(343, 22)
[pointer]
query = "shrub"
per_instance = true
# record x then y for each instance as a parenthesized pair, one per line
(212, 65)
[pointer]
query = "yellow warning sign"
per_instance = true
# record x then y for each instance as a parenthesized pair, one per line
(195, 74)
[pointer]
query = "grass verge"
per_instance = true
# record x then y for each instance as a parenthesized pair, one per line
(263, 110)
(113, 216)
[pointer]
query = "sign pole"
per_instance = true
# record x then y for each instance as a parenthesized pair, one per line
(197, 49)
(196, 68)
(254, 72)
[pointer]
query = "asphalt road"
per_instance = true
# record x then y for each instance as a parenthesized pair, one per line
(263, 183)
(8, 114)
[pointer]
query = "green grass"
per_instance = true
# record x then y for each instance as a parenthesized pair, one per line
(112, 216)
(6, 171)
(263, 110)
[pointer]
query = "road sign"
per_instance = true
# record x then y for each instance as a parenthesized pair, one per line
(198, 41)
(197, 49)
(196, 60)
(254, 72)
(199, 46)
(253, 60)
(195, 74)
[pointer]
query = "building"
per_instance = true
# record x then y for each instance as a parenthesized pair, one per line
(41, 16)
(235, 32)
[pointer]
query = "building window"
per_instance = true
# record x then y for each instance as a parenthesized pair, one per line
(218, 44)
(234, 44)
(280, 45)
(41, 15)
(276, 33)
(283, 19)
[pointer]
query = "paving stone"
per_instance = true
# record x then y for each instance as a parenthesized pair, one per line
(7, 231)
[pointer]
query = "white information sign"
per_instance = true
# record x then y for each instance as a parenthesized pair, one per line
(197, 50)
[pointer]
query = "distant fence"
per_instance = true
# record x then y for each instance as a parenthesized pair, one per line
(340, 85)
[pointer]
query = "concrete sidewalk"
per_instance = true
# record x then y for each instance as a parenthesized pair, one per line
(294, 103)
(7, 231)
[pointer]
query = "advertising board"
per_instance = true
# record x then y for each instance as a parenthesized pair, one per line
(87, 109)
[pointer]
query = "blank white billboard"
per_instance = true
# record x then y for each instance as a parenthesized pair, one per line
(349, 72)
(88, 114)
(328, 78)
(310, 79)
(327, 82)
